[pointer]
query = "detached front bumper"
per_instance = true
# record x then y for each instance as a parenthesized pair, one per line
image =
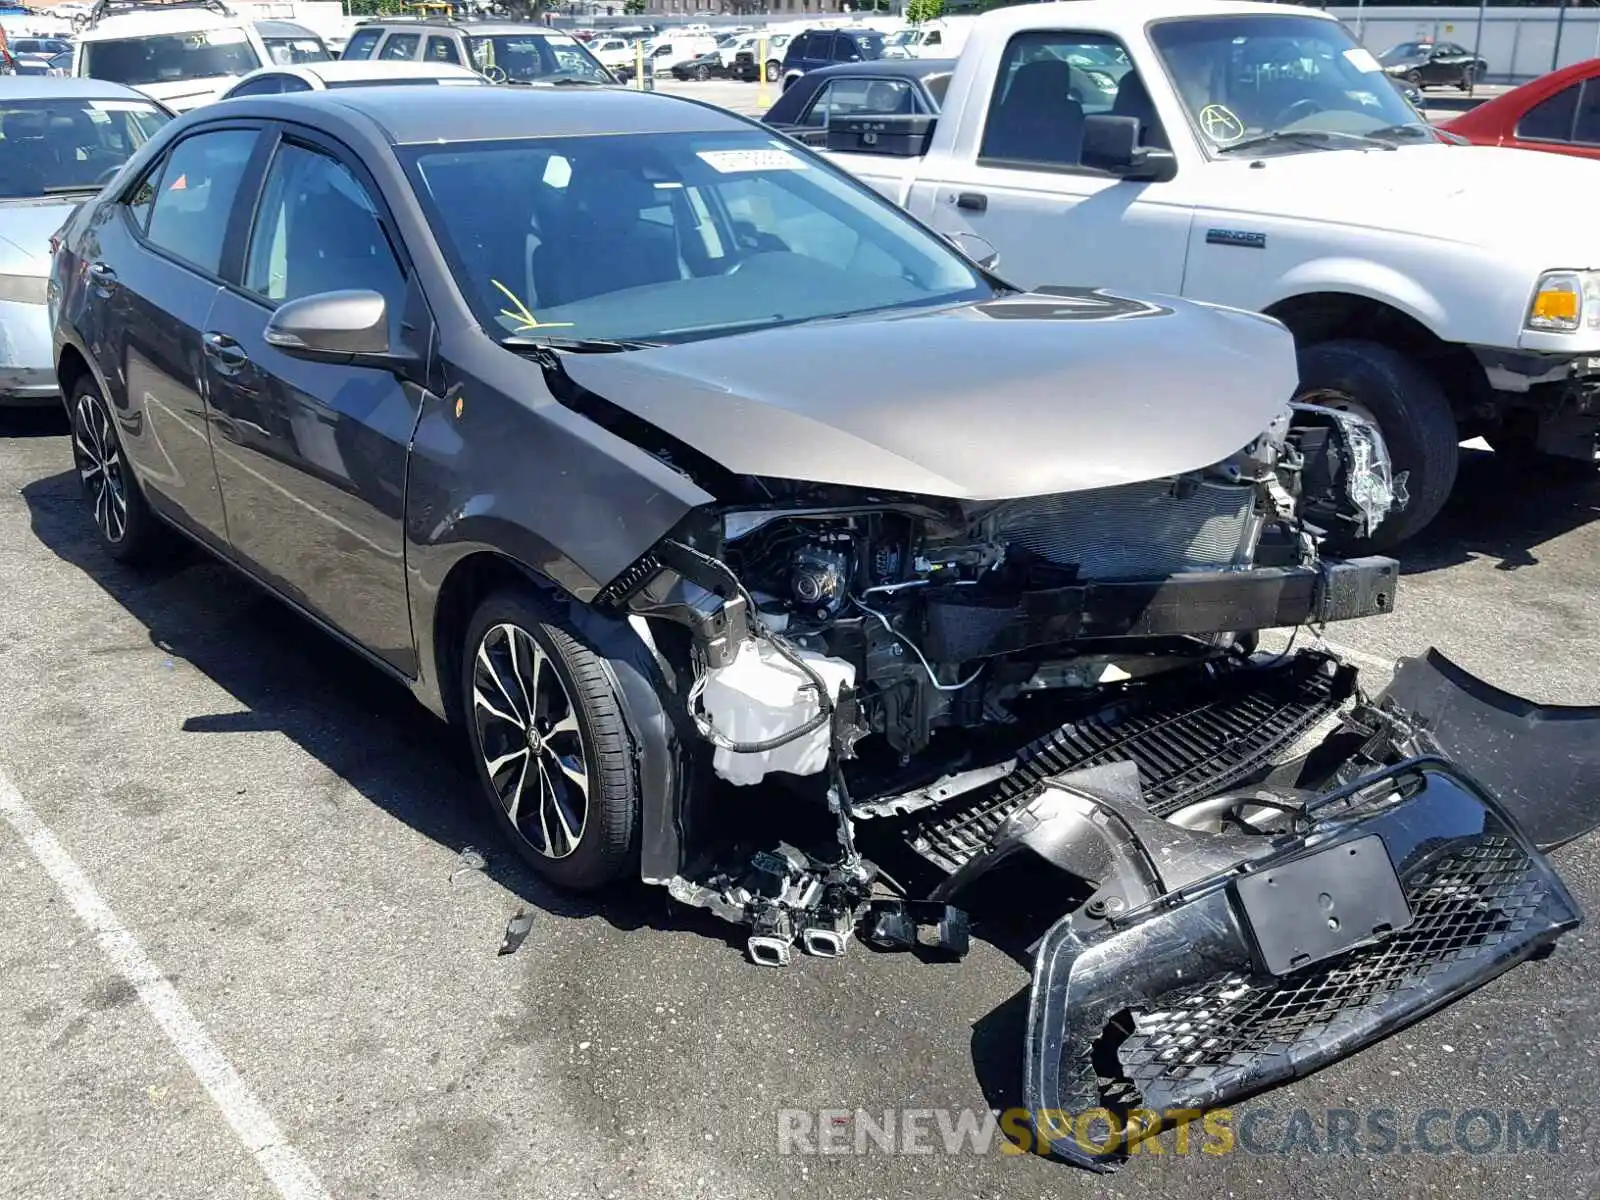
(1201, 972)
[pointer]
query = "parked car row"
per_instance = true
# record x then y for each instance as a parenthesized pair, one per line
(484, 387)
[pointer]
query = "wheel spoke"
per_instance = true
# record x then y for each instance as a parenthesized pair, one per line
(513, 802)
(577, 774)
(546, 803)
(528, 688)
(568, 834)
(495, 766)
(567, 724)
(486, 664)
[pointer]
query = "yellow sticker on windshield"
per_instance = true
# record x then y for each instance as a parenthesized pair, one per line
(520, 313)
(1220, 125)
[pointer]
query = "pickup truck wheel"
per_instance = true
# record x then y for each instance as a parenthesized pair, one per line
(550, 745)
(772, 71)
(1411, 411)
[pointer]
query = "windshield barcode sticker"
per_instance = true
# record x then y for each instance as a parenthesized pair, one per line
(731, 162)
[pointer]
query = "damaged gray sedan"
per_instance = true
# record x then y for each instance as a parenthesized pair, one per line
(745, 526)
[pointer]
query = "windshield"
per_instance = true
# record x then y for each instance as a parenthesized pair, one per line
(672, 237)
(530, 57)
(1300, 82)
(166, 58)
(289, 52)
(69, 144)
(903, 37)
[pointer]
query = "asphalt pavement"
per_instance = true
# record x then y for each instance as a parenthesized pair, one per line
(246, 951)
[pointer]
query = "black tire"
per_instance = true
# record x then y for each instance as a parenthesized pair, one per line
(774, 69)
(1411, 411)
(702, 73)
(1468, 78)
(606, 842)
(128, 530)
(1414, 78)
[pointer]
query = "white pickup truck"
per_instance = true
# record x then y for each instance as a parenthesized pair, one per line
(1254, 155)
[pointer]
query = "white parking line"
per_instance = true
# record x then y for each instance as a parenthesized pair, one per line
(282, 1164)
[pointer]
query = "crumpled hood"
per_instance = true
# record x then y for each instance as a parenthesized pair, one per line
(1508, 201)
(1024, 396)
(180, 95)
(25, 229)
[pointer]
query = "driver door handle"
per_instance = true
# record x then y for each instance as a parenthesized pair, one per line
(972, 201)
(224, 349)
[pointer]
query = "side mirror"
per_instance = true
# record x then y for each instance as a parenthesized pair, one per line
(1111, 144)
(349, 327)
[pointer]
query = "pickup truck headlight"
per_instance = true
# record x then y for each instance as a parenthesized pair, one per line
(1565, 301)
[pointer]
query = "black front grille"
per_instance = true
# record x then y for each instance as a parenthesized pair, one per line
(1189, 746)
(1466, 902)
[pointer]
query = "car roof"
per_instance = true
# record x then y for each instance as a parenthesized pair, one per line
(889, 68)
(47, 87)
(472, 27)
(1129, 19)
(281, 29)
(153, 22)
(341, 70)
(497, 113)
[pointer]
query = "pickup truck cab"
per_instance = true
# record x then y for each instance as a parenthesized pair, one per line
(1254, 155)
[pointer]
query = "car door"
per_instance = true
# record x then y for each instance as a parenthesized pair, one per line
(1021, 185)
(155, 268)
(311, 456)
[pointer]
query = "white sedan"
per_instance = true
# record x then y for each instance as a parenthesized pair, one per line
(338, 73)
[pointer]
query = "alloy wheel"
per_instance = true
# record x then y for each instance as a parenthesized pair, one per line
(100, 469)
(528, 735)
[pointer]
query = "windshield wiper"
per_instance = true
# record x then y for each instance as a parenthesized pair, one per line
(1406, 129)
(64, 189)
(576, 345)
(1320, 139)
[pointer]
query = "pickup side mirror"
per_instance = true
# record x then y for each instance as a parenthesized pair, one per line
(350, 327)
(901, 136)
(1111, 144)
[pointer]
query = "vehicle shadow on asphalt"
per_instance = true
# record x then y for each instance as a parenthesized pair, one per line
(48, 420)
(1504, 511)
(358, 723)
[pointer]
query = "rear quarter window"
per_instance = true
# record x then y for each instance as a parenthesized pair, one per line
(361, 43)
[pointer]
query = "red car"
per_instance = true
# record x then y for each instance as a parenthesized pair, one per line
(1559, 113)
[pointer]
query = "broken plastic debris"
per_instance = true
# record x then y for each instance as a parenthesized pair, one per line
(516, 931)
(470, 859)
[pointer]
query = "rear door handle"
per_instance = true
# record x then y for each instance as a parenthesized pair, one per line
(972, 201)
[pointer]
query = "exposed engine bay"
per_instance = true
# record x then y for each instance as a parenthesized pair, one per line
(1075, 679)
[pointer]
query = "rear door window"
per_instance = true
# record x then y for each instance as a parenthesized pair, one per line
(861, 97)
(1586, 130)
(361, 43)
(443, 50)
(1551, 119)
(400, 47)
(194, 196)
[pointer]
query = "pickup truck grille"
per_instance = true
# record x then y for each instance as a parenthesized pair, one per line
(1138, 531)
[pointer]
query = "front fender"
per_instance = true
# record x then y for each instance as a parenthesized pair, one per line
(1367, 279)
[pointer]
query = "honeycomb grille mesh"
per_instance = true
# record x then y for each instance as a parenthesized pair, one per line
(1138, 531)
(1465, 902)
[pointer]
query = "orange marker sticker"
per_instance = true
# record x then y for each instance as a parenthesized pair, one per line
(179, 184)
(458, 407)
